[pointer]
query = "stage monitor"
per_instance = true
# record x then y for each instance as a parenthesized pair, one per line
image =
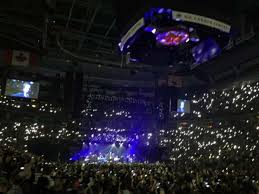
(183, 106)
(22, 89)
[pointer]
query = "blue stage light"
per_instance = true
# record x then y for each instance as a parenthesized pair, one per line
(151, 29)
(205, 51)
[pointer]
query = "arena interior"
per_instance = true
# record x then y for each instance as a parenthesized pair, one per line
(129, 97)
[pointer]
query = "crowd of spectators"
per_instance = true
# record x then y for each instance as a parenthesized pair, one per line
(212, 140)
(235, 100)
(28, 105)
(24, 173)
(107, 120)
(216, 153)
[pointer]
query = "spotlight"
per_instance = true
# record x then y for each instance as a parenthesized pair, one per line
(153, 31)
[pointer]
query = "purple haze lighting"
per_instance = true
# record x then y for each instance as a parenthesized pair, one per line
(161, 10)
(172, 37)
(193, 39)
(133, 60)
(102, 153)
(151, 29)
(205, 51)
(152, 13)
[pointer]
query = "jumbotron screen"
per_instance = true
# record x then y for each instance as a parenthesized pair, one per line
(183, 106)
(22, 89)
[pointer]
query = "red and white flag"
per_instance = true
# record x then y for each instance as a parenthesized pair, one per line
(20, 58)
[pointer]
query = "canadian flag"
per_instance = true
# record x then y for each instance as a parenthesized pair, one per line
(20, 58)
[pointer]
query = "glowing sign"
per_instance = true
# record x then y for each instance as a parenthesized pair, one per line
(188, 17)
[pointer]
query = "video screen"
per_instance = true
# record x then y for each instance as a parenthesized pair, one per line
(22, 89)
(183, 106)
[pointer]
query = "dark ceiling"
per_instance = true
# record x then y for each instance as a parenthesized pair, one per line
(68, 33)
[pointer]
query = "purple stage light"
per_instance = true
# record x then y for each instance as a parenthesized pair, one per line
(161, 10)
(151, 29)
(172, 37)
(134, 60)
(206, 51)
(194, 39)
(102, 153)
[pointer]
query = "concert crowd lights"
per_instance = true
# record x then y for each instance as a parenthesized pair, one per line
(109, 135)
(113, 113)
(32, 105)
(197, 141)
(212, 139)
(30, 131)
(233, 100)
(36, 130)
(22, 132)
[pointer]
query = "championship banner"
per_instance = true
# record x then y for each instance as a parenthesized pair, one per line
(188, 17)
